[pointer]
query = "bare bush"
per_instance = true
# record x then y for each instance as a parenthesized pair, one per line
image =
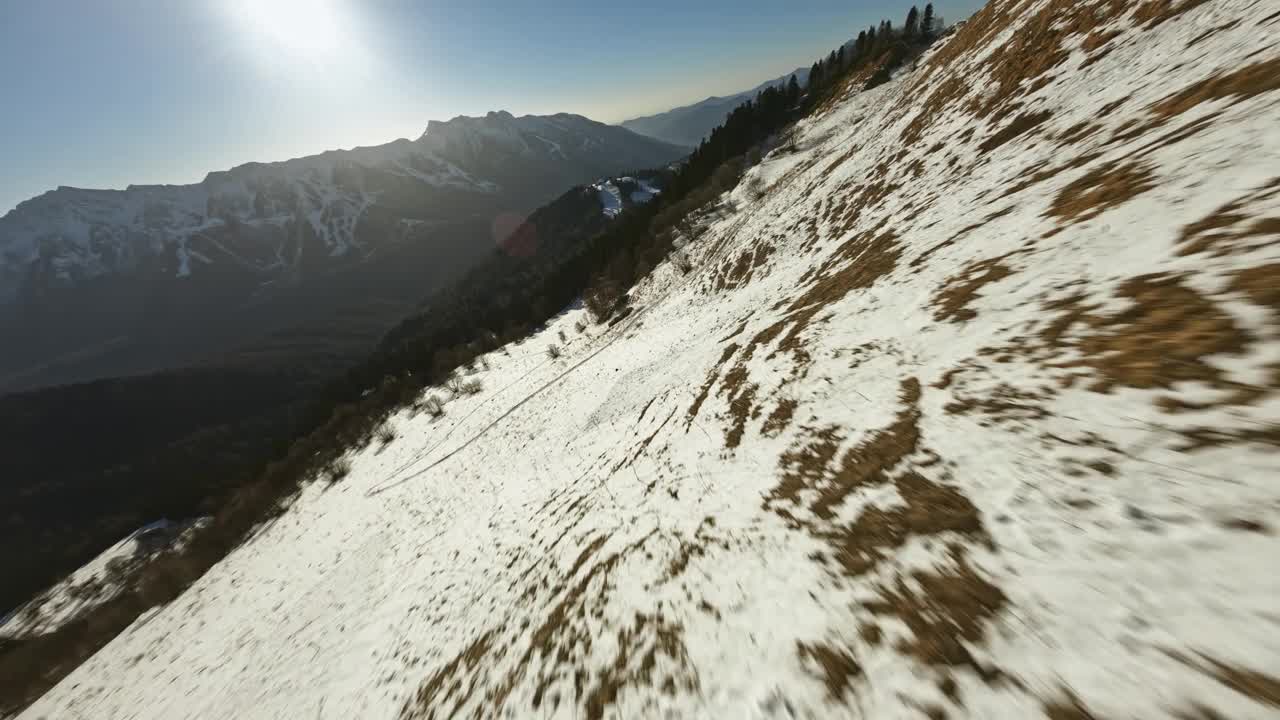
(337, 470)
(472, 387)
(386, 434)
(553, 352)
(756, 188)
(433, 406)
(562, 337)
(580, 326)
(682, 263)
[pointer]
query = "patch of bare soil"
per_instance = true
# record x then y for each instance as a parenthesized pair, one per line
(1239, 85)
(930, 509)
(1261, 284)
(951, 302)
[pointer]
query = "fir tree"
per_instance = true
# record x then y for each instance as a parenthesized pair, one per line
(912, 26)
(926, 22)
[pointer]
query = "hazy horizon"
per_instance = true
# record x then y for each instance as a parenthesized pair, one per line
(104, 94)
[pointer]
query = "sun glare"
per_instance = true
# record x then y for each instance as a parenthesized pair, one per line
(312, 30)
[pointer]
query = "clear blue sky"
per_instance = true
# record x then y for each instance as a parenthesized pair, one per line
(103, 93)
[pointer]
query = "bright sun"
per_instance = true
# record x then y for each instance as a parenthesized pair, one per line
(309, 29)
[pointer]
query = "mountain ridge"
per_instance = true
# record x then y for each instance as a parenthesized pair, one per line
(79, 267)
(688, 124)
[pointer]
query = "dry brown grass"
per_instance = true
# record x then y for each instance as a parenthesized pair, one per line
(1261, 284)
(951, 301)
(1165, 336)
(1002, 404)
(559, 645)
(1233, 228)
(947, 614)
(1067, 707)
(639, 647)
(1240, 84)
(1021, 125)
(780, 418)
(739, 272)
(1258, 686)
(949, 611)
(705, 390)
(838, 667)
(1101, 189)
(1030, 176)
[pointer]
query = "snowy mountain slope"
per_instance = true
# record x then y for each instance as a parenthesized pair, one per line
(83, 233)
(689, 124)
(617, 194)
(83, 268)
(93, 584)
(972, 414)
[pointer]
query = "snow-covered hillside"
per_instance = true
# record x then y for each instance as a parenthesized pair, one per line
(971, 414)
(616, 194)
(95, 583)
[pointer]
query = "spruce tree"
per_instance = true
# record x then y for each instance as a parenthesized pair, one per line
(793, 91)
(926, 23)
(912, 26)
